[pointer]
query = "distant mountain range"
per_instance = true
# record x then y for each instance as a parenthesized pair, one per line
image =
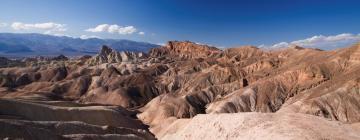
(13, 44)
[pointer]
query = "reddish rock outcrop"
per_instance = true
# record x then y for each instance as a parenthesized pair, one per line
(185, 50)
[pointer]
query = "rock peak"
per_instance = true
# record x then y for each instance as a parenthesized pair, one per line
(109, 55)
(185, 49)
(61, 57)
(105, 50)
(293, 46)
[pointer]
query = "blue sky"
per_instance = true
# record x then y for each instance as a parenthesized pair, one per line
(217, 22)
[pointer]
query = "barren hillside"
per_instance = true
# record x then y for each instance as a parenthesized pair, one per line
(185, 90)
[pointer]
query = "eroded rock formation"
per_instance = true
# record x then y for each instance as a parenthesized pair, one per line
(176, 82)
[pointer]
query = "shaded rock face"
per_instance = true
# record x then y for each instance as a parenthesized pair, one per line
(66, 120)
(60, 58)
(183, 79)
(5, 62)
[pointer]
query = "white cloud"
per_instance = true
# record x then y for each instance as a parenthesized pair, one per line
(127, 30)
(99, 28)
(275, 46)
(87, 36)
(48, 26)
(113, 28)
(331, 41)
(3, 24)
(321, 42)
(141, 33)
(124, 30)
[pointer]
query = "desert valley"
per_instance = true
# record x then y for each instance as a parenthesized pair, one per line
(184, 90)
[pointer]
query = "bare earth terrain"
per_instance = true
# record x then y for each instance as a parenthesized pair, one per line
(184, 90)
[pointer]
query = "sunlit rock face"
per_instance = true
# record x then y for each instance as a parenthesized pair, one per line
(185, 50)
(108, 55)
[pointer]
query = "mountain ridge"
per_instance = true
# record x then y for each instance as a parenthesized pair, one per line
(32, 44)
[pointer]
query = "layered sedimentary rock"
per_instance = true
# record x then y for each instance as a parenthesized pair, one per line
(181, 80)
(32, 119)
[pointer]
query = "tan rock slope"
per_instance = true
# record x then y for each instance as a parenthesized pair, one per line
(260, 126)
(172, 84)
